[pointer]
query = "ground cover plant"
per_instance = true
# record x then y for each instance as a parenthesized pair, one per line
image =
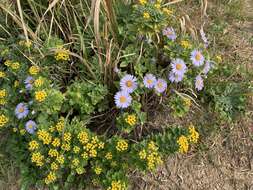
(80, 81)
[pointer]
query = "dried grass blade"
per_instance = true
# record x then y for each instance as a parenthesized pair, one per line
(96, 31)
(20, 11)
(17, 20)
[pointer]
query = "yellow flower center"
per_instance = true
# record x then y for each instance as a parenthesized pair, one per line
(169, 33)
(30, 126)
(122, 99)
(160, 85)
(149, 81)
(21, 110)
(146, 15)
(179, 66)
(198, 56)
(129, 83)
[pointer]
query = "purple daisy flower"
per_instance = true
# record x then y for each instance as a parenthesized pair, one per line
(207, 67)
(197, 58)
(122, 99)
(160, 86)
(149, 81)
(128, 83)
(175, 77)
(178, 67)
(21, 111)
(199, 83)
(30, 126)
(29, 82)
(170, 33)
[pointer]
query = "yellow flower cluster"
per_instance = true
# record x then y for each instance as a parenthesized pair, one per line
(25, 43)
(2, 74)
(53, 153)
(5, 52)
(66, 146)
(187, 102)
(143, 154)
(75, 162)
(22, 132)
(33, 145)
(15, 65)
(16, 83)
(157, 5)
(146, 15)
(8, 63)
(3, 93)
(152, 146)
(80, 170)
(167, 11)
(122, 145)
(131, 119)
(51, 177)
(56, 142)
(67, 136)
(37, 158)
(143, 2)
(108, 156)
(40, 96)
(194, 135)
(85, 155)
(3, 101)
(153, 159)
(34, 70)
(151, 155)
(83, 137)
(44, 136)
(98, 170)
(219, 58)
(51, 129)
(54, 166)
(39, 82)
(117, 185)
(60, 125)
(92, 147)
(185, 44)
(76, 149)
(3, 120)
(60, 159)
(183, 144)
(62, 55)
